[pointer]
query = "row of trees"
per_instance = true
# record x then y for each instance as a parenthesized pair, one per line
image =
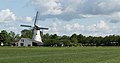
(8, 38)
(80, 40)
(73, 40)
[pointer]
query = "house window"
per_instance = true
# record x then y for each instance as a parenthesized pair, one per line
(22, 40)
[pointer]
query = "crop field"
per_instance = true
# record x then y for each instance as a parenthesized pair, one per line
(59, 54)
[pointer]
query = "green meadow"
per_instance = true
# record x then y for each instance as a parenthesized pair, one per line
(59, 54)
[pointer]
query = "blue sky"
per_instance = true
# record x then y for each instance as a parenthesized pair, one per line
(63, 17)
(19, 7)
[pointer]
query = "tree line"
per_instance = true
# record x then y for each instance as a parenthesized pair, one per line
(53, 39)
(81, 40)
(8, 37)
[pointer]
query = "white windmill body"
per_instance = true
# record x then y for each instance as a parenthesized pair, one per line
(36, 35)
(36, 30)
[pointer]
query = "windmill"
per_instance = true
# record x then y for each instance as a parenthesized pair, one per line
(36, 30)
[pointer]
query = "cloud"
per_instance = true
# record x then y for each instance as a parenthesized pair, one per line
(29, 19)
(6, 16)
(110, 6)
(65, 16)
(25, 19)
(102, 25)
(100, 28)
(70, 9)
(48, 6)
(56, 9)
(74, 27)
(100, 7)
(9, 27)
(114, 18)
(54, 28)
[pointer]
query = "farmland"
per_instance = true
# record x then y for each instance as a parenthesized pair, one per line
(59, 54)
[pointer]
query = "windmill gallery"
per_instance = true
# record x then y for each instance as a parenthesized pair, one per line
(36, 38)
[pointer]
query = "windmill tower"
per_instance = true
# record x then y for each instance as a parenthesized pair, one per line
(36, 30)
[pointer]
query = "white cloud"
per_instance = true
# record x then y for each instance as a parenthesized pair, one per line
(9, 27)
(59, 9)
(68, 28)
(53, 7)
(6, 16)
(62, 28)
(102, 25)
(28, 19)
(114, 17)
(48, 6)
(74, 27)
(55, 28)
(25, 19)
(75, 9)
(84, 6)
(110, 6)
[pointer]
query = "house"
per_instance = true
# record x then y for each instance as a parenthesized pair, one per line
(25, 42)
(28, 42)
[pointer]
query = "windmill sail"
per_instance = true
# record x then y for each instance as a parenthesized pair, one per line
(43, 28)
(25, 25)
(36, 18)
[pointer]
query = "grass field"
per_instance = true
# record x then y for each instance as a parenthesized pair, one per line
(60, 55)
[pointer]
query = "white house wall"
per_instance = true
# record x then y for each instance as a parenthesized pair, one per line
(25, 42)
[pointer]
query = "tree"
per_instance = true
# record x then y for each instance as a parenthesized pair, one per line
(1, 38)
(74, 40)
(98, 41)
(17, 37)
(50, 39)
(65, 40)
(26, 33)
(12, 36)
(5, 37)
(80, 38)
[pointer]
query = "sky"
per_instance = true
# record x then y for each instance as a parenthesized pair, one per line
(62, 17)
